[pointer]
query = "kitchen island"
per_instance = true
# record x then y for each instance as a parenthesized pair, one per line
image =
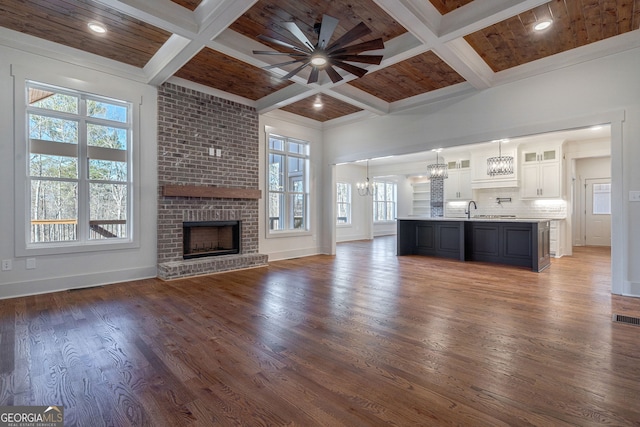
(521, 242)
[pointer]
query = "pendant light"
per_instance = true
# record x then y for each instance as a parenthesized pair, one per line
(437, 169)
(365, 188)
(501, 165)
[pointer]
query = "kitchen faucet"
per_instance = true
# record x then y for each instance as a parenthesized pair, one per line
(468, 211)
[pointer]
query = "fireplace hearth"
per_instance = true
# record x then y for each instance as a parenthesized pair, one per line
(210, 238)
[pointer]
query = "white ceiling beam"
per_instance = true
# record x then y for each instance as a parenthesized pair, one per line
(465, 60)
(423, 20)
(358, 98)
(283, 97)
(477, 15)
(416, 16)
(160, 13)
(216, 19)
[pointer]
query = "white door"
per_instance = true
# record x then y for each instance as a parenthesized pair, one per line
(598, 212)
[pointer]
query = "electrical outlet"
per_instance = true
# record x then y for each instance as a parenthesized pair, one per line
(6, 265)
(634, 196)
(31, 263)
(212, 151)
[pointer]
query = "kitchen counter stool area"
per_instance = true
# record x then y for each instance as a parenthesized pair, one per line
(518, 242)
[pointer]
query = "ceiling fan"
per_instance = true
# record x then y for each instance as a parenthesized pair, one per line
(323, 55)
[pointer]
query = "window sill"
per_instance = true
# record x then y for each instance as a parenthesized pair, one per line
(287, 233)
(39, 249)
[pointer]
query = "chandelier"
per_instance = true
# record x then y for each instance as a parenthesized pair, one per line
(501, 165)
(365, 188)
(437, 169)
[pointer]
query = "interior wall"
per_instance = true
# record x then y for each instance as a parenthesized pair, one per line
(89, 268)
(599, 91)
(361, 208)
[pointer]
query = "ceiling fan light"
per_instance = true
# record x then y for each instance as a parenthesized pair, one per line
(319, 60)
(542, 25)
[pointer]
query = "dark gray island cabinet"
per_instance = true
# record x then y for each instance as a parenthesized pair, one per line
(519, 242)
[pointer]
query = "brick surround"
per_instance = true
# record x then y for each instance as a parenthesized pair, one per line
(189, 123)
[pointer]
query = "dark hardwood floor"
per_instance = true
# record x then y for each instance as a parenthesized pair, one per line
(361, 339)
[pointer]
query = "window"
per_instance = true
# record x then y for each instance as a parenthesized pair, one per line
(288, 184)
(343, 193)
(384, 201)
(601, 199)
(79, 147)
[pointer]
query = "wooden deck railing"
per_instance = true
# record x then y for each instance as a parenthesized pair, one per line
(65, 230)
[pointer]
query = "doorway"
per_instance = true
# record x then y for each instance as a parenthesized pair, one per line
(592, 213)
(597, 215)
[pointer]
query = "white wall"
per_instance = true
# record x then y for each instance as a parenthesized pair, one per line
(80, 269)
(361, 206)
(599, 91)
(292, 245)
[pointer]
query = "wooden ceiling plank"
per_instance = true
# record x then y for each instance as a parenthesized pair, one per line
(577, 24)
(129, 33)
(609, 19)
(593, 19)
(189, 4)
(446, 6)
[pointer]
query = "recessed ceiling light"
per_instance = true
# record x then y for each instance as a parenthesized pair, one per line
(97, 27)
(542, 25)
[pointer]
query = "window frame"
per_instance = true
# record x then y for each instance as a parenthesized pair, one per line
(376, 200)
(22, 213)
(348, 204)
(287, 193)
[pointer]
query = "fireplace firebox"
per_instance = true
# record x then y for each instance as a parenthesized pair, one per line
(210, 238)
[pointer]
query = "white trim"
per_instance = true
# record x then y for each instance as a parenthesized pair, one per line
(62, 283)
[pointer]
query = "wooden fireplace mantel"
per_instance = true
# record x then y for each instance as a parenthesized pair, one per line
(210, 192)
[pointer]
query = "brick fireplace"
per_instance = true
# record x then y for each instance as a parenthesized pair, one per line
(217, 189)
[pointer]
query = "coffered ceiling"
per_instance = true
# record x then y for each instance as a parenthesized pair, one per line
(434, 49)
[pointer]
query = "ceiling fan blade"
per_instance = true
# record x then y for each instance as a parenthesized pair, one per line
(272, 52)
(281, 43)
(365, 59)
(313, 76)
(269, 67)
(355, 33)
(350, 68)
(294, 72)
(360, 47)
(333, 74)
(297, 32)
(327, 27)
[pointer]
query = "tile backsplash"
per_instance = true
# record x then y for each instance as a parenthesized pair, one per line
(486, 200)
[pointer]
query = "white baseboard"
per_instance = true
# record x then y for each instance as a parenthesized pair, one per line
(297, 253)
(56, 284)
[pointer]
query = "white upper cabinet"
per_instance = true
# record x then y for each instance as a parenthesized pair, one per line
(541, 171)
(480, 177)
(458, 185)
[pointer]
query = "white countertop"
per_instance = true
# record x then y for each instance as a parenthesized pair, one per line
(476, 219)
